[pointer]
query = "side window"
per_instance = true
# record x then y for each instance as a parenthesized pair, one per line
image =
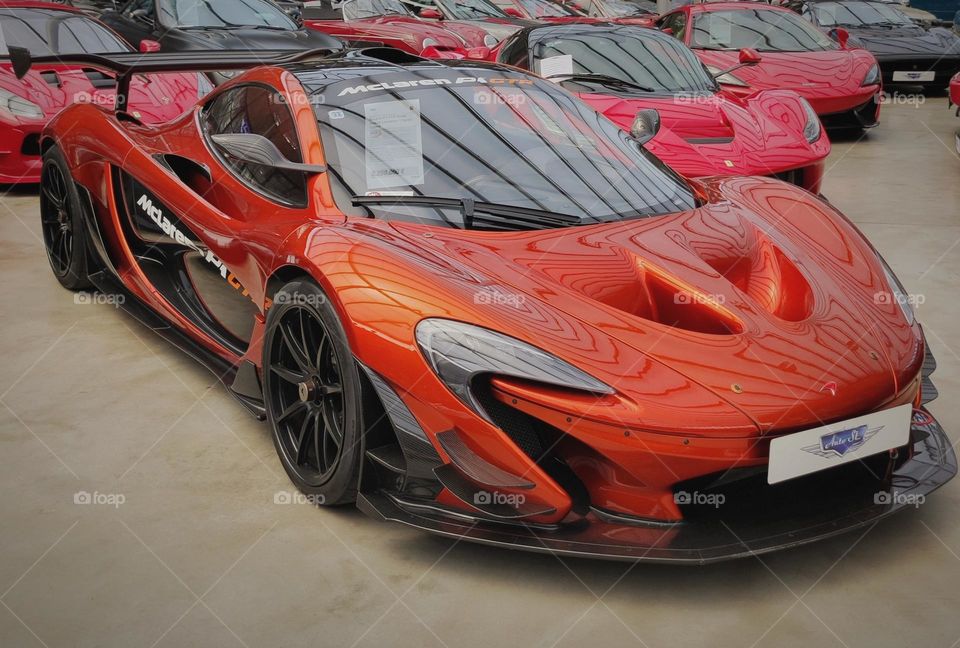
(516, 54)
(141, 10)
(677, 23)
(259, 110)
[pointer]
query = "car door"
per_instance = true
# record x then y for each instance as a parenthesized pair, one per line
(193, 245)
(135, 21)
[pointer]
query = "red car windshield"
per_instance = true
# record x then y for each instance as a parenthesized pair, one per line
(641, 56)
(485, 135)
(764, 30)
(48, 32)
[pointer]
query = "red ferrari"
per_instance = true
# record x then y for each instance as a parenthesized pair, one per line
(648, 82)
(843, 85)
(366, 23)
(27, 104)
(468, 303)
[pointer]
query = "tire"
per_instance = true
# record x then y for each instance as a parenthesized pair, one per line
(61, 219)
(312, 393)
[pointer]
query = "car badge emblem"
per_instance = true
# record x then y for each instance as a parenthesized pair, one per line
(829, 387)
(728, 163)
(921, 418)
(838, 444)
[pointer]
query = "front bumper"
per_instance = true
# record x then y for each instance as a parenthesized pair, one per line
(754, 517)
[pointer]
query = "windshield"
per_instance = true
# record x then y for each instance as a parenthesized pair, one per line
(612, 8)
(487, 135)
(761, 29)
(545, 9)
(470, 9)
(224, 14)
(641, 56)
(858, 14)
(359, 9)
(52, 33)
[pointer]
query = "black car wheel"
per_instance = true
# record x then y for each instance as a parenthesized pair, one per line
(61, 218)
(312, 394)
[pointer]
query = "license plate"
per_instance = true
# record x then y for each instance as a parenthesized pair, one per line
(832, 445)
(914, 75)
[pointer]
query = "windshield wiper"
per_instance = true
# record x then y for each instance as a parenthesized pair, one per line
(473, 212)
(603, 79)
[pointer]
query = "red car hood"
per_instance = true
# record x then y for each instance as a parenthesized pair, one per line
(760, 298)
(157, 98)
(828, 73)
(719, 134)
(411, 31)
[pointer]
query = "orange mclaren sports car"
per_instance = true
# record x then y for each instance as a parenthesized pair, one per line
(466, 302)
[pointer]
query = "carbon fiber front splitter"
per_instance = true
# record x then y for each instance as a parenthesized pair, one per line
(751, 518)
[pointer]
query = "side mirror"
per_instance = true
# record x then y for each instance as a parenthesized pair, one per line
(149, 46)
(840, 35)
(749, 56)
(646, 125)
(668, 31)
(257, 149)
(513, 12)
(431, 14)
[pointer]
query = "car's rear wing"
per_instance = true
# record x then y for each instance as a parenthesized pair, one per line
(125, 65)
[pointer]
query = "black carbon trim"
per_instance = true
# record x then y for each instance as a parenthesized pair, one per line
(475, 468)
(420, 455)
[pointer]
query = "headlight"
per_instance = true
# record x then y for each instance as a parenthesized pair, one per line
(873, 76)
(490, 40)
(17, 105)
(899, 292)
(726, 79)
(428, 42)
(458, 352)
(812, 128)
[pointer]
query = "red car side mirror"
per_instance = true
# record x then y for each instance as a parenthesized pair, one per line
(149, 46)
(749, 56)
(668, 31)
(513, 11)
(431, 14)
(841, 35)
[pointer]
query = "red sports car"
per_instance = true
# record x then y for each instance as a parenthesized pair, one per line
(469, 303)
(843, 85)
(389, 22)
(643, 78)
(27, 104)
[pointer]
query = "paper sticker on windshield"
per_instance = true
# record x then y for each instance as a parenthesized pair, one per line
(394, 148)
(553, 66)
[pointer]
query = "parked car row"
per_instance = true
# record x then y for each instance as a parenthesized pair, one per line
(718, 87)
